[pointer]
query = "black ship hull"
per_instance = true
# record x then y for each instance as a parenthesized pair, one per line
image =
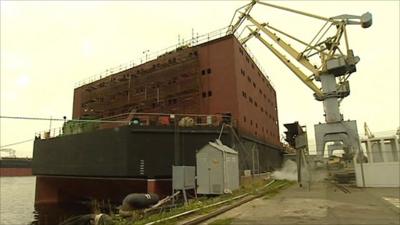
(114, 162)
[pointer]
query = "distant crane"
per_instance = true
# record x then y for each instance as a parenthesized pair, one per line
(367, 131)
(332, 72)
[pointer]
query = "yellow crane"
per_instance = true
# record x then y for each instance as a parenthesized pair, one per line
(367, 131)
(333, 70)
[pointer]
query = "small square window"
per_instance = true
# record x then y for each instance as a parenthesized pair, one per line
(208, 70)
(209, 93)
(249, 79)
(203, 72)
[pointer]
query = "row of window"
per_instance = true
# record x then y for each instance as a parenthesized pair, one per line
(206, 94)
(256, 126)
(206, 71)
(244, 94)
(253, 83)
(253, 66)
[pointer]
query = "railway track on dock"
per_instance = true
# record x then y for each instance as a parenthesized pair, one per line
(224, 206)
(342, 188)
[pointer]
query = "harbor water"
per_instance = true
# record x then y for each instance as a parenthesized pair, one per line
(17, 197)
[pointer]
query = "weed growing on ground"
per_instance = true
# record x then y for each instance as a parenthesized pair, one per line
(252, 188)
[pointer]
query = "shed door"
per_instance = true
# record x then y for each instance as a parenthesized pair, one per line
(203, 174)
(216, 172)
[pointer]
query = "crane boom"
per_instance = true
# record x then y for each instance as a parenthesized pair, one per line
(303, 77)
(295, 54)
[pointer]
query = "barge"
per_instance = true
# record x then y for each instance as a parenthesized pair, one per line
(15, 166)
(129, 128)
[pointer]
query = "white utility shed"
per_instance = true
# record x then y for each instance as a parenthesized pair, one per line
(217, 168)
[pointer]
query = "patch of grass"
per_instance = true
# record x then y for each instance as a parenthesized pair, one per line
(276, 187)
(226, 221)
(253, 188)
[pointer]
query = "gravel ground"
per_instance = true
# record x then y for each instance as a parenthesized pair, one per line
(323, 204)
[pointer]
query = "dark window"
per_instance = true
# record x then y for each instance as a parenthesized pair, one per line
(265, 96)
(203, 72)
(255, 103)
(241, 51)
(249, 79)
(204, 94)
(260, 91)
(244, 118)
(250, 100)
(247, 59)
(252, 65)
(242, 72)
(262, 109)
(244, 94)
(256, 125)
(209, 93)
(254, 84)
(251, 122)
(208, 70)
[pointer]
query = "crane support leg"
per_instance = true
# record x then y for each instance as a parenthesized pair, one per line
(331, 104)
(335, 129)
(342, 131)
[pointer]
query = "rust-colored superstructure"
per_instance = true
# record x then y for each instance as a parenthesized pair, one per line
(218, 76)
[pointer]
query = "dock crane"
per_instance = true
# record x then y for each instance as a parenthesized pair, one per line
(333, 70)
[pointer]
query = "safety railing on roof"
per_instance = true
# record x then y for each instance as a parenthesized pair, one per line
(136, 120)
(196, 40)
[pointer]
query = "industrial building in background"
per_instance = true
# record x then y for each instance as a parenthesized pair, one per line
(130, 127)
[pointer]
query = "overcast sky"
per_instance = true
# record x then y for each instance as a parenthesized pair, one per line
(46, 47)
